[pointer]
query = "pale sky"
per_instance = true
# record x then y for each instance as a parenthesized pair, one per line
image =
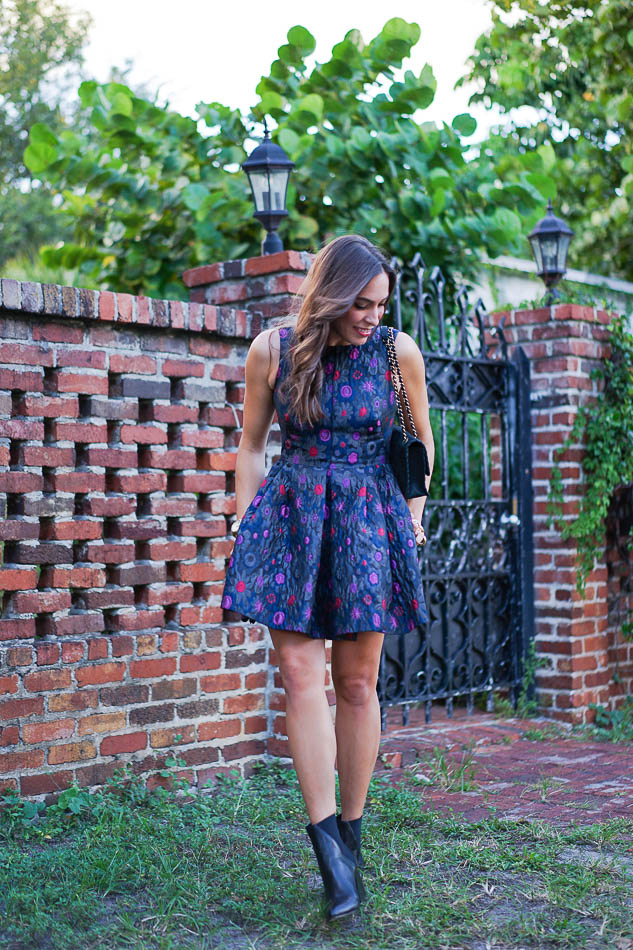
(204, 50)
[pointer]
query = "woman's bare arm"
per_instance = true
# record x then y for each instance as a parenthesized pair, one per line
(259, 409)
(411, 363)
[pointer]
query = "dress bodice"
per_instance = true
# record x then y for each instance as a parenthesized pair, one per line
(357, 398)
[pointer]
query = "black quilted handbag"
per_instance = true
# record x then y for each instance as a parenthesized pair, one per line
(407, 454)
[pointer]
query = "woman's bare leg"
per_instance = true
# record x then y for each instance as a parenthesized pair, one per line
(355, 666)
(308, 719)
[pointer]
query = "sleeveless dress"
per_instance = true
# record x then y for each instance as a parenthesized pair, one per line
(327, 547)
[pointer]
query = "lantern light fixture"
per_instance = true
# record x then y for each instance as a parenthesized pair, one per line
(550, 242)
(268, 169)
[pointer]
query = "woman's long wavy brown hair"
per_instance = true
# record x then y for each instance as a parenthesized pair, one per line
(336, 277)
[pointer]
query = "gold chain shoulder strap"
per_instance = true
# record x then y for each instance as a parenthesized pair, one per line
(394, 366)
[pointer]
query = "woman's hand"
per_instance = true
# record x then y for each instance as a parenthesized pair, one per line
(416, 507)
(420, 534)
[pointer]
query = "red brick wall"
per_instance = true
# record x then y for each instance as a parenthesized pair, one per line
(119, 419)
(563, 344)
(264, 285)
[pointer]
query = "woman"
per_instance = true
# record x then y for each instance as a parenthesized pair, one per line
(325, 541)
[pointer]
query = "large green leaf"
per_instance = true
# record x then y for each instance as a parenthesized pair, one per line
(464, 124)
(38, 156)
(193, 195)
(87, 91)
(301, 38)
(310, 106)
(508, 221)
(290, 55)
(337, 69)
(272, 104)
(41, 133)
(289, 141)
(121, 103)
(399, 29)
(360, 138)
(545, 184)
(438, 202)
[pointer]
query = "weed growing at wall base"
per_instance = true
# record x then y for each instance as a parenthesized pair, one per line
(526, 705)
(615, 725)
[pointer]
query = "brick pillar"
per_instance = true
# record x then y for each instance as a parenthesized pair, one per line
(265, 284)
(563, 344)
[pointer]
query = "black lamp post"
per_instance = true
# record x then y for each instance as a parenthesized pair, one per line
(268, 169)
(550, 241)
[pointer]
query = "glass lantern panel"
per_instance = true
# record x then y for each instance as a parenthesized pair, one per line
(536, 250)
(278, 184)
(269, 188)
(549, 250)
(563, 244)
(260, 186)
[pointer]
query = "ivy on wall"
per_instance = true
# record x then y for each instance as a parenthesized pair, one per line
(605, 429)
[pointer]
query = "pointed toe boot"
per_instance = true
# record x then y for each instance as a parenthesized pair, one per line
(338, 871)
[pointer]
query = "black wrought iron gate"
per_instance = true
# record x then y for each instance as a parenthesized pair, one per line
(477, 563)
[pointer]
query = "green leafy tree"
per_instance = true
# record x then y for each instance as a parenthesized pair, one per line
(149, 193)
(573, 64)
(41, 47)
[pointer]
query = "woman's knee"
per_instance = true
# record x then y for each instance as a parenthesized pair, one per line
(357, 687)
(301, 666)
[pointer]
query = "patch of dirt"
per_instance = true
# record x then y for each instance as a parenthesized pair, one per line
(601, 859)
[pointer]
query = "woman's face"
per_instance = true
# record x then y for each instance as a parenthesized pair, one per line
(365, 313)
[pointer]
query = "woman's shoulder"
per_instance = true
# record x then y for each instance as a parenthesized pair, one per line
(270, 345)
(384, 333)
(402, 339)
(274, 336)
(281, 335)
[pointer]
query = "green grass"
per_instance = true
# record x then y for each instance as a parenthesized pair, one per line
(445, 771)
(233, 868)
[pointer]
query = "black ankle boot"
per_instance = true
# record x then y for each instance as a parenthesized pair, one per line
(338, 871)
(348, 837)
(346, 832)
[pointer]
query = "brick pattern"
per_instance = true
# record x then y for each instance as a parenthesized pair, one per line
(119, 419)
(266, 285)
(589, 780)
(563, 344)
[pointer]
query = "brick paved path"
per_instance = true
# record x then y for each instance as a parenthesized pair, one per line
(562, 779)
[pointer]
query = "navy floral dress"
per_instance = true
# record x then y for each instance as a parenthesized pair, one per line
(327, 547)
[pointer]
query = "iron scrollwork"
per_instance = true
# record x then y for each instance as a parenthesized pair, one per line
(476, 566)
